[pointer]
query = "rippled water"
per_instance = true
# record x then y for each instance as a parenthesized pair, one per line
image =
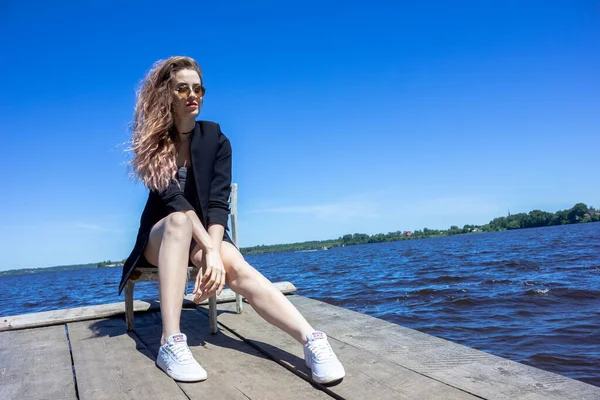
(530, 295)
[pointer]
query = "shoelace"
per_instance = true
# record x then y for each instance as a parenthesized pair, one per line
(321, 349)
(182, 351)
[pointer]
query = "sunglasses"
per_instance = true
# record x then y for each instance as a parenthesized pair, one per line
(184, 91)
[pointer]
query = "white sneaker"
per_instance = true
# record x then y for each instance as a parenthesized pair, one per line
(319, 357)
(176, 359)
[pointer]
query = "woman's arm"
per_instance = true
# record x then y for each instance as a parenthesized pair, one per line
(216, 232)
(200, 235)
(217, 214)
(220, 187)
(218, 201)
(213, 278)
(217, 217)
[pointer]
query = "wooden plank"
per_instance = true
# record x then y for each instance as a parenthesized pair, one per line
(235, 369)
(480, 373)
(36, 364)
(367, 375)
(48, 318)
(111, 363)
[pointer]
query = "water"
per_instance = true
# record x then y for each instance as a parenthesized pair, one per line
(530, 295)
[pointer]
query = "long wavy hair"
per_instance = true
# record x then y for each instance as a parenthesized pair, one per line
(153, 138)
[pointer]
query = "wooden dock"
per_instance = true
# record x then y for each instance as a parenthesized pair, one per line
(87, 353)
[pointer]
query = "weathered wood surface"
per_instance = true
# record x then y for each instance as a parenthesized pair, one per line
(112, 364)
(476, 372)
(367, 375)
(36, 364)
(235, 369)
(247, 360)
(47, 318)
(150, 274)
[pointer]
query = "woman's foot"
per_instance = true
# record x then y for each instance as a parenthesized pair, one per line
(176, 359)
(319, 357)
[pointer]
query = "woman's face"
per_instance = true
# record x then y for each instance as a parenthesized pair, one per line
(187, 94)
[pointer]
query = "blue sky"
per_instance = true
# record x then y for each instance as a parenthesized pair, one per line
(344, 117)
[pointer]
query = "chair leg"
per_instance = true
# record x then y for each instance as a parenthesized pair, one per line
(129, 305)
(212, 314)
(238, 303)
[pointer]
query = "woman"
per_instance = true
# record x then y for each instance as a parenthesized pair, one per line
(186, 165)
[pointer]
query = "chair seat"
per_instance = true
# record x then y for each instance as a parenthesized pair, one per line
(150, 274)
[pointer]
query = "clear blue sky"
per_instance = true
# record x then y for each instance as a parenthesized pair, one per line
(344, 117)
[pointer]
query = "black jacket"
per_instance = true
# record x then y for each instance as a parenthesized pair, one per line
(210, 153)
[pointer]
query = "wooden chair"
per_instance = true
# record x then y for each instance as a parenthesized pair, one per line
(151, 275)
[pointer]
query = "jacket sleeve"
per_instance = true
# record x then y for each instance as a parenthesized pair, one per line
(220, 187)
(173, 198)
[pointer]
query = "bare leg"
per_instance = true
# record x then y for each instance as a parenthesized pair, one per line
(265, 298)
(168, 247)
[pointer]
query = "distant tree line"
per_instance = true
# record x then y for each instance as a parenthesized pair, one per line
(579, 213)
(107, 263)
(47, 269)
(60, 268)
(536, 218)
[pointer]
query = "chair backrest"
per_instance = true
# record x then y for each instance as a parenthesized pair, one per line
(233, 203)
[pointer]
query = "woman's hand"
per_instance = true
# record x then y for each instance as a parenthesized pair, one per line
(210, 277)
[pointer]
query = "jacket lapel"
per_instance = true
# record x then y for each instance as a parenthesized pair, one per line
(197, 165)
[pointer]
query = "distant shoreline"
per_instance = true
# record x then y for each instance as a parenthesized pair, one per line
(58, 268)
(318, 245)
(579, 213)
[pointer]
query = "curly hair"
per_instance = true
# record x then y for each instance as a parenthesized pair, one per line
(153, 137)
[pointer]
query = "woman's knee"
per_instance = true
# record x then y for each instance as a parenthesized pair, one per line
(196, 256)
(239, 270)
(178, 225)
